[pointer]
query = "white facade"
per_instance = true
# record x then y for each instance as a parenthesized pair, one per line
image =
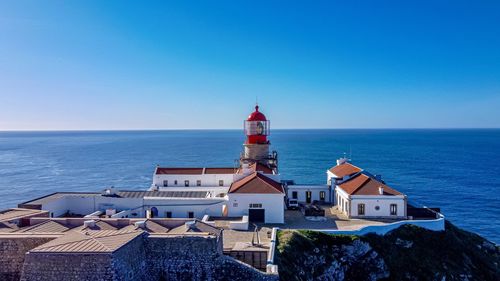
(374, 206)
(239, 204)
(164, 181)
(309, 193)
(181, 208)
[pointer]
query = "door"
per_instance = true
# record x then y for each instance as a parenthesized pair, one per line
(154, 212)
(308, 196)
(256, 215)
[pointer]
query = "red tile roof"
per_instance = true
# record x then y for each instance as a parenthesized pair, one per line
(220, 171)
(365, 185)
(256, 183)
(345, 169)
(179, 171)
(194, 171)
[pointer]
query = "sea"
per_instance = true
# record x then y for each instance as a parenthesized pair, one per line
(455, 170)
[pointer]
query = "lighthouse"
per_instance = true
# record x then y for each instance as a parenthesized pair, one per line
(256, 146)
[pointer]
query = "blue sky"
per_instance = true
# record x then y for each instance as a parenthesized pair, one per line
(202, 64)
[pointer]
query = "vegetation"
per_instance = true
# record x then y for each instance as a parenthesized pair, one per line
(407, 253)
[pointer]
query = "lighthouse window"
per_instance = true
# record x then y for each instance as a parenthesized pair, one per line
(186, 183)
(165, 183)
(198, 183)
(394, 209)
(361, 209)
(175, 182)
(221, 182)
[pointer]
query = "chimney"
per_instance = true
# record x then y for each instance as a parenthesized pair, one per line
(341, 161)
(190, 225)
(381, 190)
(89, 223)
(140, 224)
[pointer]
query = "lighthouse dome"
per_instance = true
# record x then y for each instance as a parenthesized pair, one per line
(256, 115)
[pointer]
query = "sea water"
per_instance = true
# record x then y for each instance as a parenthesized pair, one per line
(455, 170)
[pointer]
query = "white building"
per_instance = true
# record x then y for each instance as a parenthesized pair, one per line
(310, 193)
(361, 195)
(322, 193)
(259, 197)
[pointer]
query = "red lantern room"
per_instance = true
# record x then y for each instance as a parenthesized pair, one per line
(256, 128)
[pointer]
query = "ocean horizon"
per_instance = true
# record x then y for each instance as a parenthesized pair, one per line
(453, 169)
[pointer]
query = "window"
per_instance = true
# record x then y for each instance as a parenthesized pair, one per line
(168, 214)
(165, 183)
(308, 196)
(235, 205)
(294, 195)
(394, 209)
(377, 208)
(190, 215)
(175, 182)
(255, 205)
(198, 183)
(361, 209)
(322, 195)
(186, 183)
(221, 182)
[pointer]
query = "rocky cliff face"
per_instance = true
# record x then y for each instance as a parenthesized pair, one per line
(407, 253)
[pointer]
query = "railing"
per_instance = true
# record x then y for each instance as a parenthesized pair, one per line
(271, 267)
(437, 224)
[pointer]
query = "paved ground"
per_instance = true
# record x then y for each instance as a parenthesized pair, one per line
(294, 219)
(231, 237)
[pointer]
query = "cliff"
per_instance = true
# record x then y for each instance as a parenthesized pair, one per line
(407, 253)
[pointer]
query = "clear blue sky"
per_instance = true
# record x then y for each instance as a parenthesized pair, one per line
(190, 64)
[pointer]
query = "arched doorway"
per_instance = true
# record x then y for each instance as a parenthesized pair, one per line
(154, 212)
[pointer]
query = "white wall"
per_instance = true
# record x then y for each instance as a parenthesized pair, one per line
(82, 205)
(341, 203)
(434, 225)
(56, 207)
(74, 203)
(272, 203)
(181, 207)
(206, 180)
(315, 192)
(213, 189)
(384, 206)
(371, 201)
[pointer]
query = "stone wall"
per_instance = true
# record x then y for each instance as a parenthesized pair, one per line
(195, 258)
(12, 254)
(129, 262)
(67, 266)
(147, 257)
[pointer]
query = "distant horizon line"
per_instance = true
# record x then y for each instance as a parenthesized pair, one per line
(234, 129)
